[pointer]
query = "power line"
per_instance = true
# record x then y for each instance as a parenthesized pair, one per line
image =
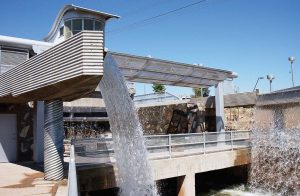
(135, 24)
(143, 8)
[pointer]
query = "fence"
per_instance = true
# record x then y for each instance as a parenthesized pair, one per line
(100, 150)
(72, 175)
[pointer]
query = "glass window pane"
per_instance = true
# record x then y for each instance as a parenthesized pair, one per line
(61, 31)
(88, 24)
(68, 32)
(77, 25)
(98, 26)
(75, 32)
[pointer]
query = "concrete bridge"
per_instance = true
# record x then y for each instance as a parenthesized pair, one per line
(174, 155)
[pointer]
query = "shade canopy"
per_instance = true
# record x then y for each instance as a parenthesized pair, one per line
(151, 70)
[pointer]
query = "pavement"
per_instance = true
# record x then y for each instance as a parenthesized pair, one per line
(25, 181)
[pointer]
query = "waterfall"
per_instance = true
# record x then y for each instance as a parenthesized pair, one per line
(275, 154)
(134, 175)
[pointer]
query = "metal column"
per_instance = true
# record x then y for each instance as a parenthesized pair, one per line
(219, 100)
(53, 140)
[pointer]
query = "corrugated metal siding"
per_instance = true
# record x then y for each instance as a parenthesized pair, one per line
(5, 68)
(80, 55)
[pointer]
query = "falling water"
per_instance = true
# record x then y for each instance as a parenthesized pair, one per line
(134, 176)
(276, 150)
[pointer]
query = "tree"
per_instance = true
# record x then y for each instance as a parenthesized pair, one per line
(159, 88)
(205, 92)
(201, 92)
(197, 92)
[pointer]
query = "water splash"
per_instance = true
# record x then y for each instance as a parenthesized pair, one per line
(275, 155)
(134, 172)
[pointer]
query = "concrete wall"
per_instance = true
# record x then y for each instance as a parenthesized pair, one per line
(289, 114)
(104, 176)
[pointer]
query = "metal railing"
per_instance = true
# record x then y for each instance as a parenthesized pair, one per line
(72, 174)
(165, 146)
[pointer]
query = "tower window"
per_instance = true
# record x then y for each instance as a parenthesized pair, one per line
(98, 26)
(68, 32)
(61, 31)
(74, 26)
(88, 24)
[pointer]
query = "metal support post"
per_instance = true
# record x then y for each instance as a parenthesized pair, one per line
(231, 140)
(219, 105)
(170, 146)
(204, 145)
(53, 140)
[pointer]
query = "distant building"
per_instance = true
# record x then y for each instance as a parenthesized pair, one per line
(155, 97)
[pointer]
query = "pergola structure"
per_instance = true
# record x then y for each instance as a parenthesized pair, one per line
(74, 68)
(151, 70)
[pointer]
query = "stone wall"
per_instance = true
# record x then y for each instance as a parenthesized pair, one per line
(164, 119)
(200, 118)
(192, 118)
(239, 118)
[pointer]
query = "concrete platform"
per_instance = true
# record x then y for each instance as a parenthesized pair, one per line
(24, 181)
(100, 176)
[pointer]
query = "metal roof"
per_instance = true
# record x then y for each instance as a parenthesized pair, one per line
(67, 8)
(36, 46)
(151, 70)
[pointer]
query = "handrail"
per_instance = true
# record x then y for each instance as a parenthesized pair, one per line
(228, 138)
(72, 175)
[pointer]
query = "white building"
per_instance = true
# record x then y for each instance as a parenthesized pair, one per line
(37, 76)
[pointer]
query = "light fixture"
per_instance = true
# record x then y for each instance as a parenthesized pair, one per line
(259, 78)
(292, 60)
(270, 77)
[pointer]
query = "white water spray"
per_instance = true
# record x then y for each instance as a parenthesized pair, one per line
(134, 175)
(275, 155)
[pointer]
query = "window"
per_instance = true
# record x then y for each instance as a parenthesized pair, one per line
(88, 24)
(98, 26)
(68, 28)
(74, 26)
(61, 31)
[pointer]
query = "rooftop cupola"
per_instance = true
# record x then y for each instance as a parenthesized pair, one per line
(72, 19)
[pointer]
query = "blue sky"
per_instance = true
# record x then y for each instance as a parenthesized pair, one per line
(251, 37)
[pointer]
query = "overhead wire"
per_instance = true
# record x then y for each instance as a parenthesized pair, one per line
(144, 21)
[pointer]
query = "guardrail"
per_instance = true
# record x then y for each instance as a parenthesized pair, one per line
(72, 174)
(165, 146)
